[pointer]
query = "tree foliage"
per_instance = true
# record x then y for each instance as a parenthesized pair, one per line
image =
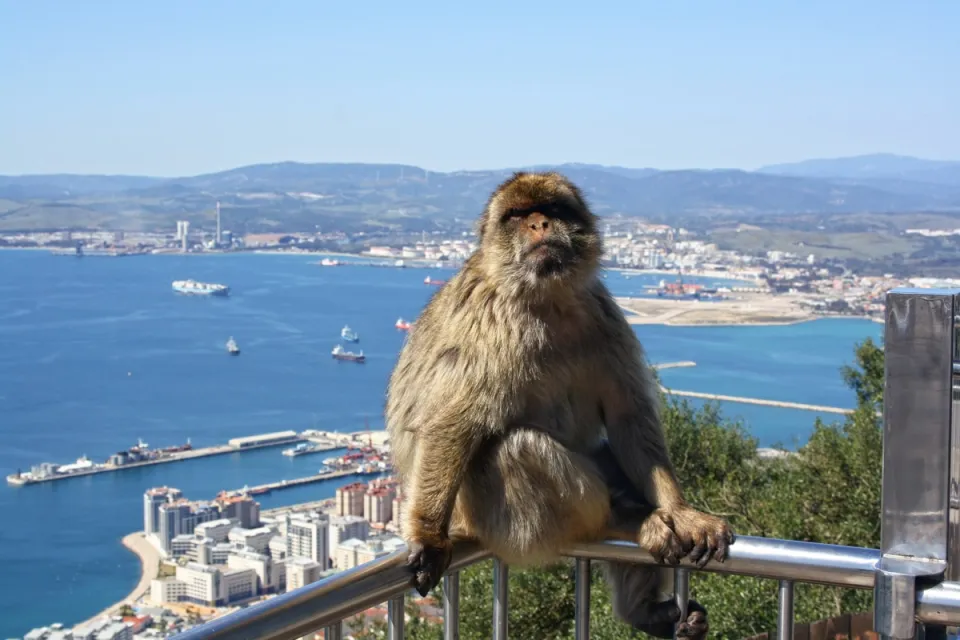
(828, 491)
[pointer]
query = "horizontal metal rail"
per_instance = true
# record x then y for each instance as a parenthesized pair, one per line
(329, 601)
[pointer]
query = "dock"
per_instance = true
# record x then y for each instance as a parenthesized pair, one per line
(674, 365)
(234, 445)
(758, 401)
(270, 487)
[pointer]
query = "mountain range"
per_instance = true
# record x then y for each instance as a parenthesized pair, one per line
(290, 196)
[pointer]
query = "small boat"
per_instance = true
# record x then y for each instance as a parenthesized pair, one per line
(327, 262)
(349, 335)
(339, 353)
(436, 283)
(403, 325)
(232, 347)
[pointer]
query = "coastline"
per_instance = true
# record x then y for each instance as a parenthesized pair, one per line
(747, 310)
(138, 545)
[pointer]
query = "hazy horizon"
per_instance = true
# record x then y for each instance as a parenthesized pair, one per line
(185, 89)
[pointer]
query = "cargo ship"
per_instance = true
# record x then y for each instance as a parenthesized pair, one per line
(349, 335)
(436, 283)
(403, 325)
(339, 353)
(192, 287)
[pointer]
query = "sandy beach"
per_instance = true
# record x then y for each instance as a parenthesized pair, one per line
(747, 309)
(149, 566)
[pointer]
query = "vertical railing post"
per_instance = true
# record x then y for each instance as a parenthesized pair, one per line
(681, 593)
(451, 606)
(582, 601)
(785, 611)
(333, 631)
(501, 574)
(919, 342)
(395, 615)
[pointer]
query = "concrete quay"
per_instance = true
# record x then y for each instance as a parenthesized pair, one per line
(178, 456)
(269, 487)
(758, 401)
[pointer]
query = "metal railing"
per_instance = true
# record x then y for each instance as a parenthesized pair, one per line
(326, 603)
(914, 575)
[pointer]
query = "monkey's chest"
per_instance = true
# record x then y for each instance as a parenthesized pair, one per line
(568, 409)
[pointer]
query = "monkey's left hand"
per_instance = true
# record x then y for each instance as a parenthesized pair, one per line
(705, 536)
(428, 560)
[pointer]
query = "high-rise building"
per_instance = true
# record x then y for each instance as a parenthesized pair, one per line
(378, 505)
(152, 500)
(349, 499)
(308, 536)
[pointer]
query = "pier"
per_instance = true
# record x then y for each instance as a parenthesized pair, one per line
(758, 401)
(674, 365)
(245, 443)
(270, 487)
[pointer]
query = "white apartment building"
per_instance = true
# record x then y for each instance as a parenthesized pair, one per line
(353, 553)
(270, 575)
(302, 571)
(206, 585)
(256, 539)
(343, 528)
(217, 530)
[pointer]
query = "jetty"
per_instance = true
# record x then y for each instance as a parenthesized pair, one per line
(270, 487)
(49, 472)
(758, 401)
(674, 365)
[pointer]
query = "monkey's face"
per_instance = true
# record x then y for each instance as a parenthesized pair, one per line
(539, 229)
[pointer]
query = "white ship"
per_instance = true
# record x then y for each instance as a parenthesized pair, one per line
(349, 335)
(192, 287)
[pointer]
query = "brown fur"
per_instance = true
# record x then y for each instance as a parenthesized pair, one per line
(498, 407)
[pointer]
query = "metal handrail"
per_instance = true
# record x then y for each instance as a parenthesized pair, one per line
(324, 604)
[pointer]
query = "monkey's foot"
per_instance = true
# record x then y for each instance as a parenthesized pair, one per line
(705, 536)
(696, 625)
(428, 561)
(661, 618)
(657, 536)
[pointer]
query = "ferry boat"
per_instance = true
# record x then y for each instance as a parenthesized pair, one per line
(403, 325)
(349, 335)
(301, 449)
(436, 283)
(232, 347)
(192, 287)
(339, 353)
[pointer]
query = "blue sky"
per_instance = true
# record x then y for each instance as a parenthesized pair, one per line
(185, 86)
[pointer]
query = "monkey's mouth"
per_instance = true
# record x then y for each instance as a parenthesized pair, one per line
(547, 257)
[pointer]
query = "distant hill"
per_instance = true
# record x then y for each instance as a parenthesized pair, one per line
(873, 167)
(292, 196)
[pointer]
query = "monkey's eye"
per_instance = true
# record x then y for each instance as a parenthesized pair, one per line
(512, 215)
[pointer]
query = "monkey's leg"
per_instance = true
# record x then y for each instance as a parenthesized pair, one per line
(638, 600)
(526, 496)
(637, 589)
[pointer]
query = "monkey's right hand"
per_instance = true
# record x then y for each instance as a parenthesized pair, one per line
(428, 560)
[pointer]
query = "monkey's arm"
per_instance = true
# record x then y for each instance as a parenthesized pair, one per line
(444, 449)
(631, 410)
